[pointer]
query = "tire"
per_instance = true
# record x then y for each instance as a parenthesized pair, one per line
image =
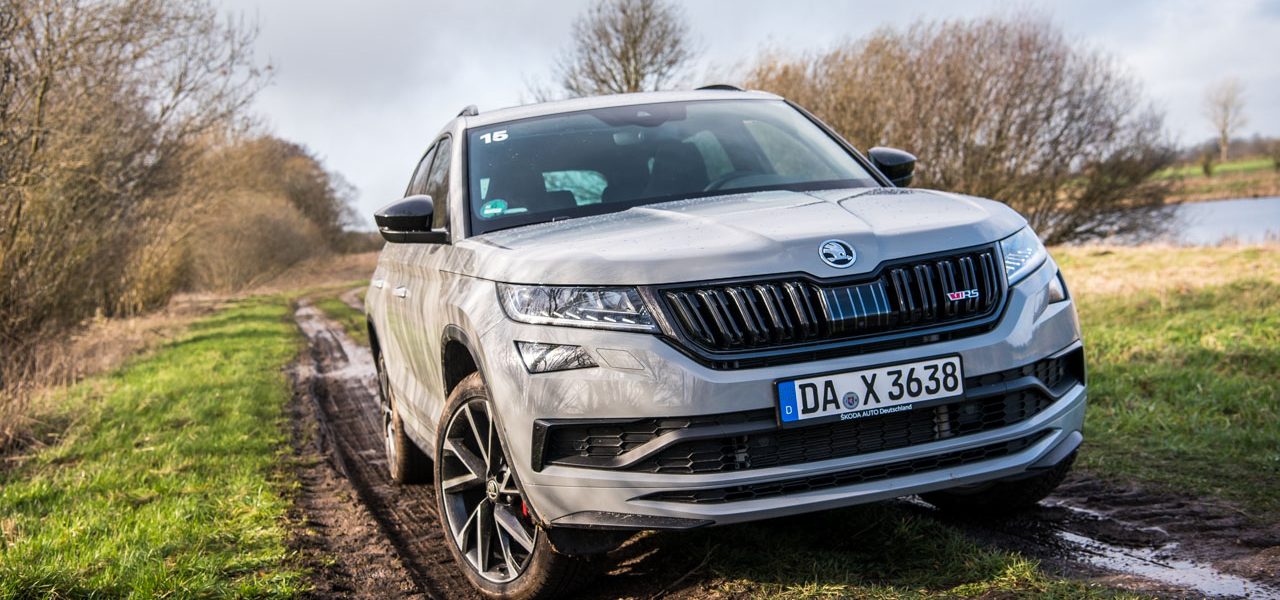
(406, 462)
(523, 565)
(1001, 498)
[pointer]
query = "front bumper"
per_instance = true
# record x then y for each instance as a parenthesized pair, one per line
(642, 376)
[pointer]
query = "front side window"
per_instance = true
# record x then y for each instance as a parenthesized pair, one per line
(610, 159)
(437, 185)
(418, 182)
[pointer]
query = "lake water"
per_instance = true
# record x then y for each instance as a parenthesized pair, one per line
(1247, 221)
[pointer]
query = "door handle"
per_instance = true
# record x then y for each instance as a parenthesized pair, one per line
(401, 292)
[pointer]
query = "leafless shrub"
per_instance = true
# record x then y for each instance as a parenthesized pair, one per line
(1006, 108)
(104, 106)
(622, 46)
(1224, 107)
(1207, 162)
(126, 175)
(258, 238)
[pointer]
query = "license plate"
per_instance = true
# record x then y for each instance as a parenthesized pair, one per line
(869, 392)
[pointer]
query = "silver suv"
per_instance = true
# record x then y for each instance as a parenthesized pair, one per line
(684, 309)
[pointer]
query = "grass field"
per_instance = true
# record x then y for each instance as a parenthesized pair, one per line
(171, 475)
(1184, 354)
(1245, 178)
(1247, 165)
(170, 478)
(352, 320)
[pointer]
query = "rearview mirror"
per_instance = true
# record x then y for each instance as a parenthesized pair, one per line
(897, 165)
(408, 221)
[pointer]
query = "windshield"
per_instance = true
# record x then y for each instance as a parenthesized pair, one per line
(610, 159)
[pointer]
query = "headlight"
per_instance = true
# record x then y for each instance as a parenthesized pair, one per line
(1023, 253)
(598, 307)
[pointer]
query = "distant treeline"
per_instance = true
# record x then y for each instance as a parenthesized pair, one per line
(1240, 147)
(129, 169)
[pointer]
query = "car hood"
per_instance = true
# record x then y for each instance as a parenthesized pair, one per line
(735, 236)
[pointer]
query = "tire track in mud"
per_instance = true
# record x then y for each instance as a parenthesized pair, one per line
(1117, 536)
(344, 391)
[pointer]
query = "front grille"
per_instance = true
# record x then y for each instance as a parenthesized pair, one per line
(850, 477)
(595, 443)
(849, 438)
(909, 295)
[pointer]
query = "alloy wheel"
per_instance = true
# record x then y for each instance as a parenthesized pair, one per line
(484, 508)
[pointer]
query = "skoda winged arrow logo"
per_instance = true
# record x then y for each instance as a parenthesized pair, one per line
(837, 253)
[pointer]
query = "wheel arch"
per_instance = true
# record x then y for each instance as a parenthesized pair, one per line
(458, 358)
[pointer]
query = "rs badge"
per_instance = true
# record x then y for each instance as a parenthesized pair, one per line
(962, 295)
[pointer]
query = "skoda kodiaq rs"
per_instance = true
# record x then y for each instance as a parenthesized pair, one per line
(685, 309)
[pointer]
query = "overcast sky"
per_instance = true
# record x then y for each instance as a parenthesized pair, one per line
(366, 85)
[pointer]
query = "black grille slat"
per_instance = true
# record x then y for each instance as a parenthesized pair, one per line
(788, 312)
(969, 279)
(691, 317)
(779, 320)
(745, 303)
(947, 281)
(990, 280)
(928, 297)
(802, 307)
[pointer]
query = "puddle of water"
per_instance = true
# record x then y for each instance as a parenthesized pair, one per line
(1158, 564)
(359, 365)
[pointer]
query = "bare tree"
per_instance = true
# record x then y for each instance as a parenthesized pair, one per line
(1224, 107)
(1005, 108)
(622, 46)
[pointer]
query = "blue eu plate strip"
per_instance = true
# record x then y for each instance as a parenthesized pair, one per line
(787, 409)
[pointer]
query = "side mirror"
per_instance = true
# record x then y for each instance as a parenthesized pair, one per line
(898, 166)
(408, 221)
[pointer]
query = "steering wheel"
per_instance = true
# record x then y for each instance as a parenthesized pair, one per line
(720, 181)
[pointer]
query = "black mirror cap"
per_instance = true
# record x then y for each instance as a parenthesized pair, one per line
(899, 166)
(408, 220)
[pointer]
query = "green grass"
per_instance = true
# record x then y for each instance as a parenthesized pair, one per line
(1185, 389)
(352, 320)
(170, 479)
(870, 551)
(1247, 165)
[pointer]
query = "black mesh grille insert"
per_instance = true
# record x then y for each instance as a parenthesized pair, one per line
(849, 477)
(789, 312)
(842, 439)
(592, 443)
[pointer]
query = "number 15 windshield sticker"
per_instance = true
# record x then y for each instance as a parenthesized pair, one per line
(494, 136)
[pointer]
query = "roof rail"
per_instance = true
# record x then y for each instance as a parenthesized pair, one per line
(722, 86)
(469, 111)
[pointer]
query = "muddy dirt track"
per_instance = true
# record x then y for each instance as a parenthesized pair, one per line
(366, 537)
